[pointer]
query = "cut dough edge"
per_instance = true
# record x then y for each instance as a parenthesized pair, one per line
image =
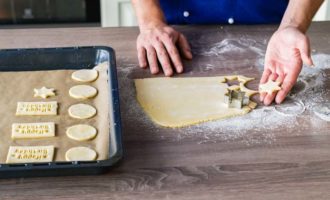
(11, 158)
(80, 154)
(82, 92)
(36, 127)
(269, 87)
(47, 108)
(81, 132)
(85, 75)
(82, 111)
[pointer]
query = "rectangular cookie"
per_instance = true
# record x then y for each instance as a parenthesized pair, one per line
(30, 154)
(36, 108)
(33, 130)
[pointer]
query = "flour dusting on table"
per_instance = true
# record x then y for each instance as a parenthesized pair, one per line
(259, 126)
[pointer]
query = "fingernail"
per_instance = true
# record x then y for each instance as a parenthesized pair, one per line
(142, 65)
(154, 71)
(312, 63)
(179, 69)
(168, 73)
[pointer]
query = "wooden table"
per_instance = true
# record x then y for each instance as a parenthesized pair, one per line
(289, 162)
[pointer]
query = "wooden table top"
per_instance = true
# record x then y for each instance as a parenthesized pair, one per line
(263, 155)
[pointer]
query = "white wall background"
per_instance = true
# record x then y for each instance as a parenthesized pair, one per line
(116, 13)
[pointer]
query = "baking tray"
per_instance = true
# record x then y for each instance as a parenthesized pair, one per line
(67, 58)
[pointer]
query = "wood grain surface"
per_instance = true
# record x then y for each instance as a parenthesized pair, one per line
(289, 162)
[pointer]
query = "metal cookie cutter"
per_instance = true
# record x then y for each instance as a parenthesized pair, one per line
(236, 99)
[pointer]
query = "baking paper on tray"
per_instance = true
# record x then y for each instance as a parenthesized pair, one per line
(18, 86)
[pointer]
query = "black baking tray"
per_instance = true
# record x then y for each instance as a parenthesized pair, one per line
(67, 58)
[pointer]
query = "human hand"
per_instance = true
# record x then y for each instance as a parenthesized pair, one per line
(162, 44)
(287, 49)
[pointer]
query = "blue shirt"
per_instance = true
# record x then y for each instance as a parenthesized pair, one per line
(223, 11)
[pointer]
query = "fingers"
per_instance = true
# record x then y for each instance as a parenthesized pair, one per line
(287, 85)
(269, 98)
(152, 60)
(264, 78)
(184, 46)
(159, 47)
(304, 48)
(174, 55)
(163, 58)
(142, 56)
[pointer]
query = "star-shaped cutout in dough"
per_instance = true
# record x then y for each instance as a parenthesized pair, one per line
(269, 87)
(44, 92)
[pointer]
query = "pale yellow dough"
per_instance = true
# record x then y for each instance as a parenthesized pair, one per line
(82, 111)
(82, 92)
(85, 75)
(36, 108)
(270, 87)
(81, 132)
(30, 154)
(44, 92)
(177, 102)
(80, 154)
(33, 130)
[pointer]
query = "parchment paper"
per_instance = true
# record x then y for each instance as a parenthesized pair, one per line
(18, 86)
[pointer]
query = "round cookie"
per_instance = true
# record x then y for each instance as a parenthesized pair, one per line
(85, 75)
(82, 92)
(81, 132)
(82, 111)
(80, 154)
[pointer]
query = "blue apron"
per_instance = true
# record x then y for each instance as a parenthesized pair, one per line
(223, 11)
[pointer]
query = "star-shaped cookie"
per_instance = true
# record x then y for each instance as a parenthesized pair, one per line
(269, 87)
(44, 92)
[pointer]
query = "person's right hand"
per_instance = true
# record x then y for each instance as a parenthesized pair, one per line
(162, 45)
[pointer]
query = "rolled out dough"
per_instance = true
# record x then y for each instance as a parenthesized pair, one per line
(33, 130)
(81, 132)
(44, 92)
(82, 111)
(178, 102)
(269, 87)
(85, 75)
(30, 154)
(36, 108)
(80, 154)
(82, 92)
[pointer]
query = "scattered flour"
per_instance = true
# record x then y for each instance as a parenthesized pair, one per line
(291, 107)
(238, 48)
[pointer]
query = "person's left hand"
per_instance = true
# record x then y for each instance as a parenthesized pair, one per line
(287, 49)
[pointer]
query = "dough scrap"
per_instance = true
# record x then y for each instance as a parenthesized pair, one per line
(80, 154)
(244, 79)
(177, 102)
(85, 75)
(30, 154)
(82, 92)
(82, 111)
(81, 132)
(44, 92)
(239, 78)
(36, 108)
(269, 87)
(33, 130)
